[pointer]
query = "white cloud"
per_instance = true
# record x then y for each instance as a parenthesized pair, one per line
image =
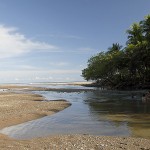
(43, 78)
(69, 71)
(86, 49)
(27, 67)
(36, 73)
(13, 43)
(58, 36)
(39, 76)
(59, 64)
(82, 50)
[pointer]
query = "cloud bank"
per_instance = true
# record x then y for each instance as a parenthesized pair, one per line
(13, 43)
(26, 76)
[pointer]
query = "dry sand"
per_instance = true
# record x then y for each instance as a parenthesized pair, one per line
(17, 108)
(76, 142)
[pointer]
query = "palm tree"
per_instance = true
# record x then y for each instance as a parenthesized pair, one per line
(116, 47)
(146, 27)
(146, 31)
(134, 34)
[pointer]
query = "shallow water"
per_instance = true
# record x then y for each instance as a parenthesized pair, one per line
(92, 112)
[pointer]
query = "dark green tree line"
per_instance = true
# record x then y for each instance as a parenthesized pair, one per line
(124, 67)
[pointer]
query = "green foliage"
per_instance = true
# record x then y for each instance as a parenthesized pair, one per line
(124, 67)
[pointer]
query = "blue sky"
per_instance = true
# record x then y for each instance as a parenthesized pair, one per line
(51, 40)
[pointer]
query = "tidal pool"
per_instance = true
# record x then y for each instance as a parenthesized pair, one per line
(97, 112)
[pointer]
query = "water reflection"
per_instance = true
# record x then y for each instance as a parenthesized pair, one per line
(118, 109)
(92, 112)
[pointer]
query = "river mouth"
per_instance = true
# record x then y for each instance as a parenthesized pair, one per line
(97, 112)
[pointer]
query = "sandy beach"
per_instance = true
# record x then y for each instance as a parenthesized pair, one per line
(20, 107)
(16, 108)
(76, 142)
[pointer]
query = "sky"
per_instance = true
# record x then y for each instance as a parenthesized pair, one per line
(52, 40)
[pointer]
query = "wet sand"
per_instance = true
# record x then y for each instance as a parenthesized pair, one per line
(16, 108)
(35, 88)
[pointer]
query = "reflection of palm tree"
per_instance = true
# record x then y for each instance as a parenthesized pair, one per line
(143, 98)
(118, 111)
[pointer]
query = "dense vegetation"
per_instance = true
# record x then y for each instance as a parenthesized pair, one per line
(124, 67)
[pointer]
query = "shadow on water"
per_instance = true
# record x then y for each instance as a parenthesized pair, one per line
(122, 107)
(92, 112)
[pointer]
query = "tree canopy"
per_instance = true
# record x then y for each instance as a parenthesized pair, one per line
(124, 67)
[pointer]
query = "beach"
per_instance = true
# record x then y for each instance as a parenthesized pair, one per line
(21, 106)
(76, 142)
(17, 108)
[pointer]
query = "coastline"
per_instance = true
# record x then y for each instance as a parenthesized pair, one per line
(21, 107)
(13, 87)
